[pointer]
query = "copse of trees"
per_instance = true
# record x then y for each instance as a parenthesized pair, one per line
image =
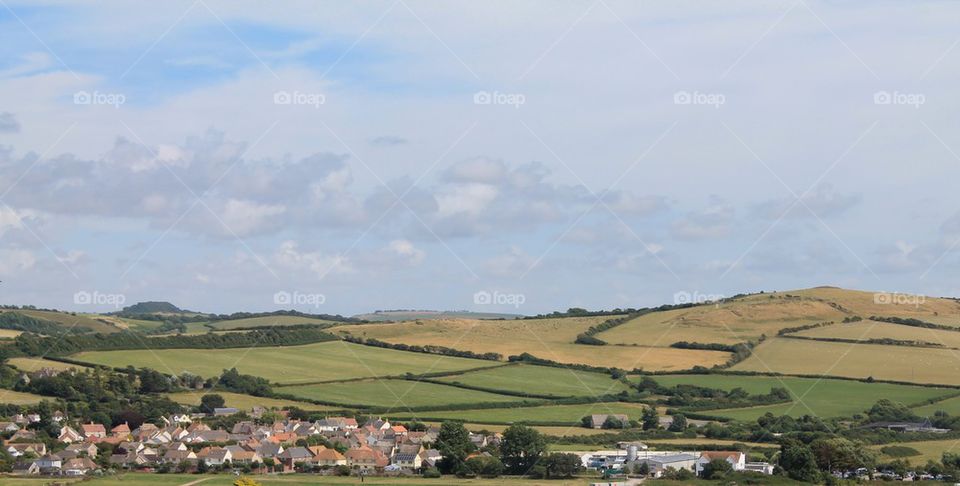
(428, 349)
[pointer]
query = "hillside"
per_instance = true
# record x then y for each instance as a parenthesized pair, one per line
(58, 321)
(152, 308)
(412, 315)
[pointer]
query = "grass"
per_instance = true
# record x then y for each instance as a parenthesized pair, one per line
(545, 413)
(950, 405)
(244, 402)
(34, 364)
(20, 398)
(551, 339)
(396, 394)
(148, 479)
(540, 380)
(9, 333)
(824, 398)
(896, 363)
(290, 364)
(265, 321)
(739, 478)
(929, 450)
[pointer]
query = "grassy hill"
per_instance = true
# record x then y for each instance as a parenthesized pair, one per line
(412, 315)
(66, 320)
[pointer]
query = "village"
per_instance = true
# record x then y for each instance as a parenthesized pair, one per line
(184, 443)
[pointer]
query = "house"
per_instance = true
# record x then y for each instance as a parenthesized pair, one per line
(84, 448)
(759, 467)
(214, 456)
(175, 456)
(597, 420)
(26, 468)
(79, 466)
(659, 464)
(49, 464)
(222, 412)
(328, 457)
(94, 430)
(294, 455)
(737, 460)
(366, 459)
(410, 462)
(9, 427)
(68, 435)
(430, 457)
(907, 427)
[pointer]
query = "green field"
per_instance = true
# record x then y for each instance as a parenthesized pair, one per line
(67, 321)
(265, 321)
(244, 402)
(950, 405)
(398, 394)
(824, 398)
(149, 479)
(897, 363)
(327, 361)
(546, 413)
(540, 380)
(929, 450)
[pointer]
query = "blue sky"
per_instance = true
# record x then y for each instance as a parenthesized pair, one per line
(407, 154)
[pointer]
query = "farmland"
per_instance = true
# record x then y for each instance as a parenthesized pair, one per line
(263, 321)
(950, 405)
(539, 380)
(34, 364)
(929, 450)
(897, 363)
(243, 402)
(67, 321)
(398, 394)
(546, 413)
(551, 339)
(815, 397)
(20, 398)
(326, 361)
(865, 330)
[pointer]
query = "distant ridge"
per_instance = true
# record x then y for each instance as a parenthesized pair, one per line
(411, 314)
(152, 307)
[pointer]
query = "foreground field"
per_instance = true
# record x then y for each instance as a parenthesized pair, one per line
(551, 339)
(570, 414)
(540, 380)
(245, 402)
(292, 364)
(147, 479)
(823, 398)
(897, 363)
(397, 394)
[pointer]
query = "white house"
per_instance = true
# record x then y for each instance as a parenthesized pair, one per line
(737, 460)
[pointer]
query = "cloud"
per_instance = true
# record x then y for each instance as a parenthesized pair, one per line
(13, 261)
(824, 201)
(388, 141)
(8, 123)
(712, 222)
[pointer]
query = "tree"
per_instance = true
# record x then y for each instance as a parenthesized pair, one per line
(716, 469)
(612, 422)
(454, 445)
(483, 466)
(839, 454)
(561, 466)
(678, 424)
(798, 461)
(211, 401)
(521, 448)
(650, 418)
(643, 469)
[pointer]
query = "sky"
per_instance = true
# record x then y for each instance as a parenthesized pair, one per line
(522, 157)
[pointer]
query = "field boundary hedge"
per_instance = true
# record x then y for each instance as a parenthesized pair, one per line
(699, 370)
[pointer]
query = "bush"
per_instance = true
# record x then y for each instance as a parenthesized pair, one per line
(431, 472)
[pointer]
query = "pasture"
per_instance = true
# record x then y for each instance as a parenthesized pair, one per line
(334, 360)
(897, 363)
(243, 402)
(551, 339)
(20, 398)
(545, 413)
(823, 398)
(950, 405)
(539, 380)
(264, 321)
(67, 321)
(928, 449)
(34, 364)
(865, 330)
(396, 394)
